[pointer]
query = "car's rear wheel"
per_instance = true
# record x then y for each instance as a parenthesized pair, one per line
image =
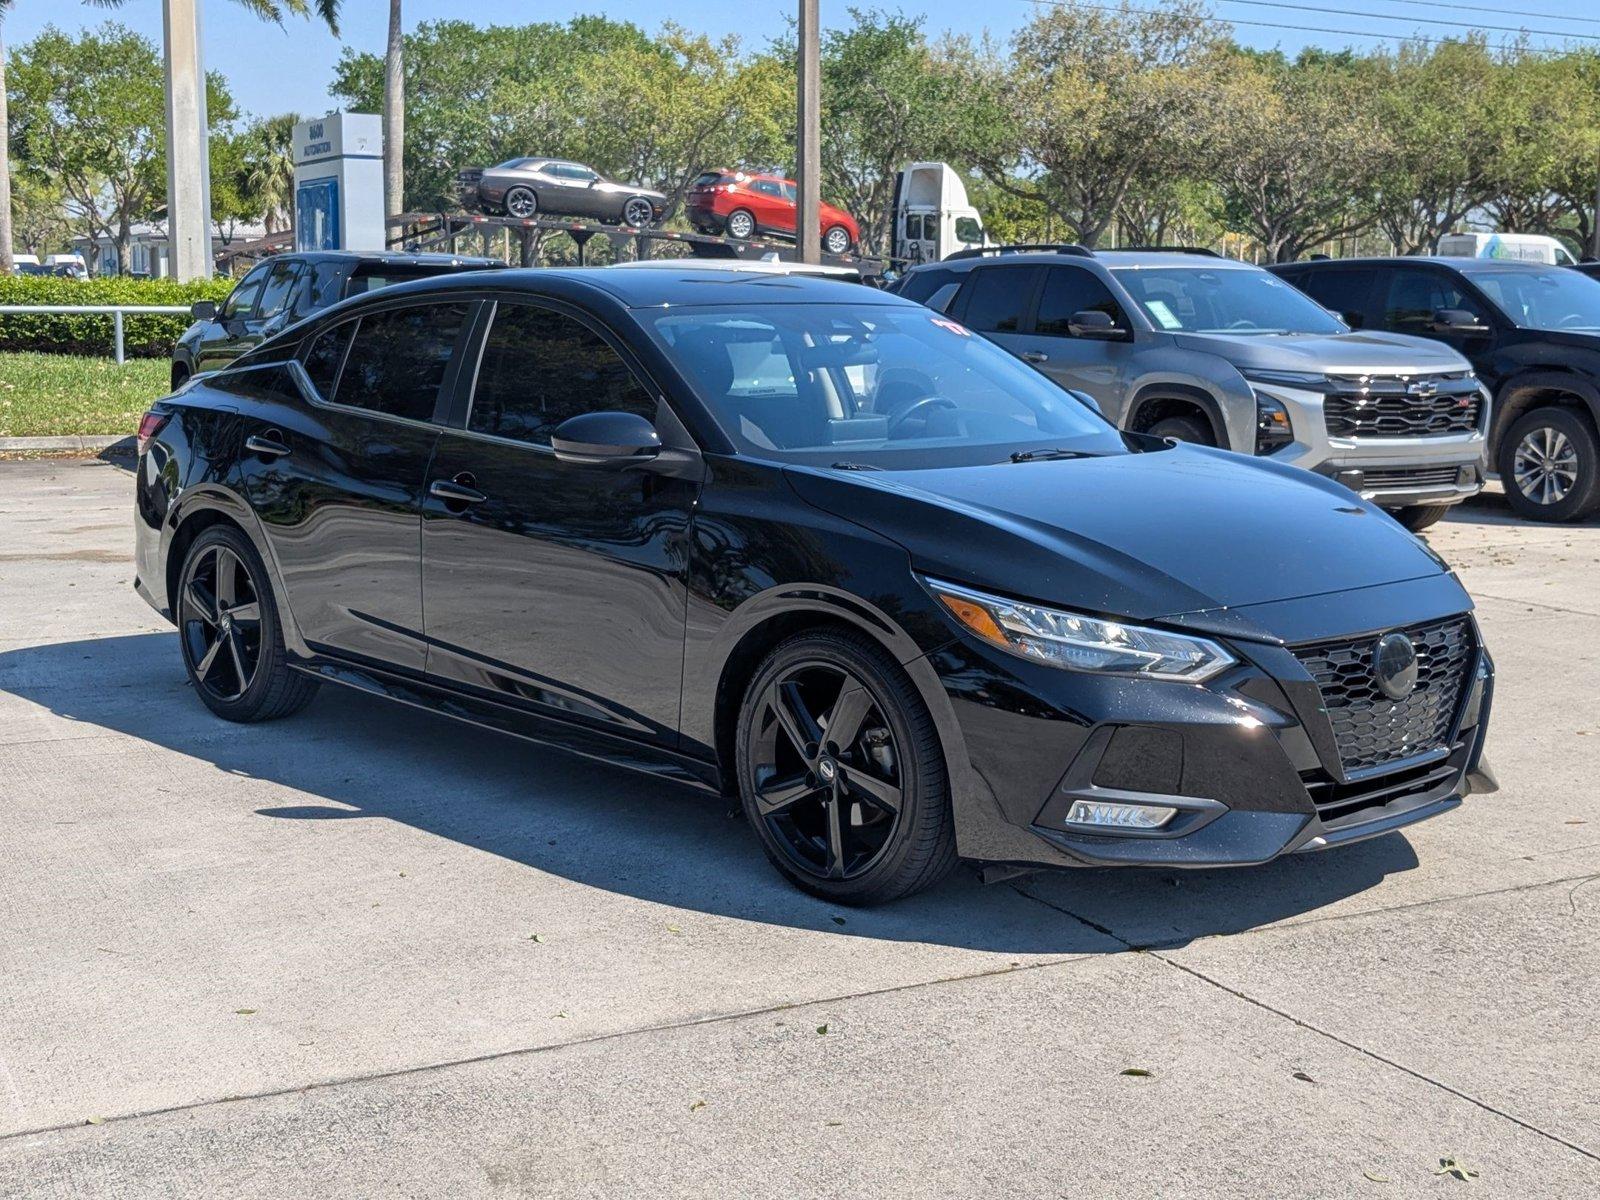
(741, 224)
(638, 213)
(836, 240)
(180, 375)
(522, 203)
(1417, 517)
(840, 771)
(230, 634)
(1183, 429)
(1550, 465)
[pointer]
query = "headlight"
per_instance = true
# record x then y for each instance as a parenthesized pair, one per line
(1080, 643)
(1273, 430)
(1301, 379)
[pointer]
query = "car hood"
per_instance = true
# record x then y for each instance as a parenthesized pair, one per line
(1343, 353)
(1147, 535)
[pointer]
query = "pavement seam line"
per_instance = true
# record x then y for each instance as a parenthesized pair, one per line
(529, 1051)
(1571, 612)
(1332, 1037)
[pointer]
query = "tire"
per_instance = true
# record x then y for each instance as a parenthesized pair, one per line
(887, 788)
(638, 213)
(1549, 463)
(180, 375)
(836, 240)
(1417, 517)
(741, 225)
(522, 203)
(1183, 429)
(237, 615)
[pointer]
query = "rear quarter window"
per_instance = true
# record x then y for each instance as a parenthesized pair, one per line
(919, 285)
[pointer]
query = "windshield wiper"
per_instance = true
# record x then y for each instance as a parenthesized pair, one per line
(853, 466)
(1022, 456)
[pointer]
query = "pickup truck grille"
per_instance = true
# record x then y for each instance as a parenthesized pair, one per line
(1370, 729)
(1393, 406)
(1378, 478)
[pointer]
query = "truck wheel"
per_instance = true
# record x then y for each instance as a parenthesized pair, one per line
(522, 203)
(1183, 429)
(741, 225)
(1549, 463)
(1417, 517)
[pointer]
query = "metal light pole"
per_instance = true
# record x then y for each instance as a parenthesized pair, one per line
(188, 165)
(808, 149)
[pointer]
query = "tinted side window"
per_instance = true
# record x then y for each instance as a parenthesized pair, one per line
(919, 285)
(1069, 290)
(540, 367)
(241, 302)
(1415, 294)
(1346, 291)
(325, 356)
(997, 297)
(398, 359)
(323, 286)
(271, 383)
(275, 292)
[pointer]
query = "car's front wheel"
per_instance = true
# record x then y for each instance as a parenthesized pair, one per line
(1549, 464)
(230, 634)
(1183, 429)
(1417, 517)
(840, 771)
(638, 213)
(522, 203)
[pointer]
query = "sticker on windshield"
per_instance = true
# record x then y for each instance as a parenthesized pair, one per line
(1163, 314)
(953, 327)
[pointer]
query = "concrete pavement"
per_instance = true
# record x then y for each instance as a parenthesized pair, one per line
(301, 957)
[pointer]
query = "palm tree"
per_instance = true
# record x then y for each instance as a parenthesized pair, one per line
(269, 167)
(268, 10)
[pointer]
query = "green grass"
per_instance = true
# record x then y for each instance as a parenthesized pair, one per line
(49, 395)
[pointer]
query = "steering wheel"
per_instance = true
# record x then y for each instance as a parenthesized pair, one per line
(1576, 320)
(915, 406)
(1243, 323)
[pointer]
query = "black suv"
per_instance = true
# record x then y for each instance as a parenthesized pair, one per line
(1532, 334)
(288, 287)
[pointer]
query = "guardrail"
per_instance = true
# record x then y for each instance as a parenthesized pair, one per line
(116, 311)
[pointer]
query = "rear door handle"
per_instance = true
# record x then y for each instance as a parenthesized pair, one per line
(267, 445)
(1035, 356)
(456, 491)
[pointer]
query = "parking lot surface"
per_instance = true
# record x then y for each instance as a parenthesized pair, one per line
(364, 951)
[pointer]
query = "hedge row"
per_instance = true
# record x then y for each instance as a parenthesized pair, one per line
(147, 335)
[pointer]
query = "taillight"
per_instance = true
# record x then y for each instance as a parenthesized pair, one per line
(149, 425)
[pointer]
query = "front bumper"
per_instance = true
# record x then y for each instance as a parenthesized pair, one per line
(1249, 761)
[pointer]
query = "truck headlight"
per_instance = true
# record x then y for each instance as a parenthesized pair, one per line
(1078, 642)
(1273, 430)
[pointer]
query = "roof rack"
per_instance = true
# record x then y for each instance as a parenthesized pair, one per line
(1200, 250)
(1071, 248)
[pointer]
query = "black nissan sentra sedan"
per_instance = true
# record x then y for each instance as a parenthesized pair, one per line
(818, 546)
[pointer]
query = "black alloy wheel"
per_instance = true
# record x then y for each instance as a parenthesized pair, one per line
(522, 203)
(228, 629)
(638, 213)
(840, 772)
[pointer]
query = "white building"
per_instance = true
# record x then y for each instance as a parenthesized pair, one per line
(148, 253)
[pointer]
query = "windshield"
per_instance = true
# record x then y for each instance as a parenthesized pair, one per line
(1557, 298)
(870, 385)
(1225, 300)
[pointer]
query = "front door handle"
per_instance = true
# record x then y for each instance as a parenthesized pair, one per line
(266, 444)
(1035, 356)
(457, 491)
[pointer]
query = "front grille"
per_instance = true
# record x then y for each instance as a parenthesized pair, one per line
(1340, 804)
(1371, 730)
(1408, 477)
(1389, 407)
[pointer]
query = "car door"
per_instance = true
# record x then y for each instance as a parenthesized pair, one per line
(224, 341)
(337, 482)
(995, 300)
(1414, 294)
(1098, 366)
(567, 193)
(561, 587)
(774, 211)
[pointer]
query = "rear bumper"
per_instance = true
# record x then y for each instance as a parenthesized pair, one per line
(1248, 761)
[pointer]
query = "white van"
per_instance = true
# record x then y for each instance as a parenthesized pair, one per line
(1523, 247)
(932, 216)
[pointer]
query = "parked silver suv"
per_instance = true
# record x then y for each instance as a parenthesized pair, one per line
(1204, 349)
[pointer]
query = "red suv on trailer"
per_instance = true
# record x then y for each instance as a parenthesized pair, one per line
(742, 204)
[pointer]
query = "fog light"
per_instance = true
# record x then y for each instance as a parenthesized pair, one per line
(1118, 816)
(1467, 476)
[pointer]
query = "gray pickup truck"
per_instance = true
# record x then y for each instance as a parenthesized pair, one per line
(1204, 349)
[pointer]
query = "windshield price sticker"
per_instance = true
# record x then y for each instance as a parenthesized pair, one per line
(953, 327)
(1160, 311)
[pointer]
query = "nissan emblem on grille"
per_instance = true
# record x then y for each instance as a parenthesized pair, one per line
(1394, 665)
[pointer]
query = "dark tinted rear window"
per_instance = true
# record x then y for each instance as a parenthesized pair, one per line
(268, 383)
(1340, 289)
(398, 359)
(919, 285)
(325, 356)
(998, 296)
(707, 178)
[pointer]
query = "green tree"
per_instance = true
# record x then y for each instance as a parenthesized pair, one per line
(267, 160)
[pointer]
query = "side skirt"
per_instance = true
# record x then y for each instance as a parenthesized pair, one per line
(545, 731)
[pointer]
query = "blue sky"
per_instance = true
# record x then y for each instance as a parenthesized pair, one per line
(275, 71)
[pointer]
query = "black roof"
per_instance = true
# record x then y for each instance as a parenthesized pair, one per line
(1460, 263)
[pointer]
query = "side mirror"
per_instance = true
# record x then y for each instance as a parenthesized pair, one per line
(617, 439)
(203, 310)
(1456, 320)
(1092, 324)
(1086, 400)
